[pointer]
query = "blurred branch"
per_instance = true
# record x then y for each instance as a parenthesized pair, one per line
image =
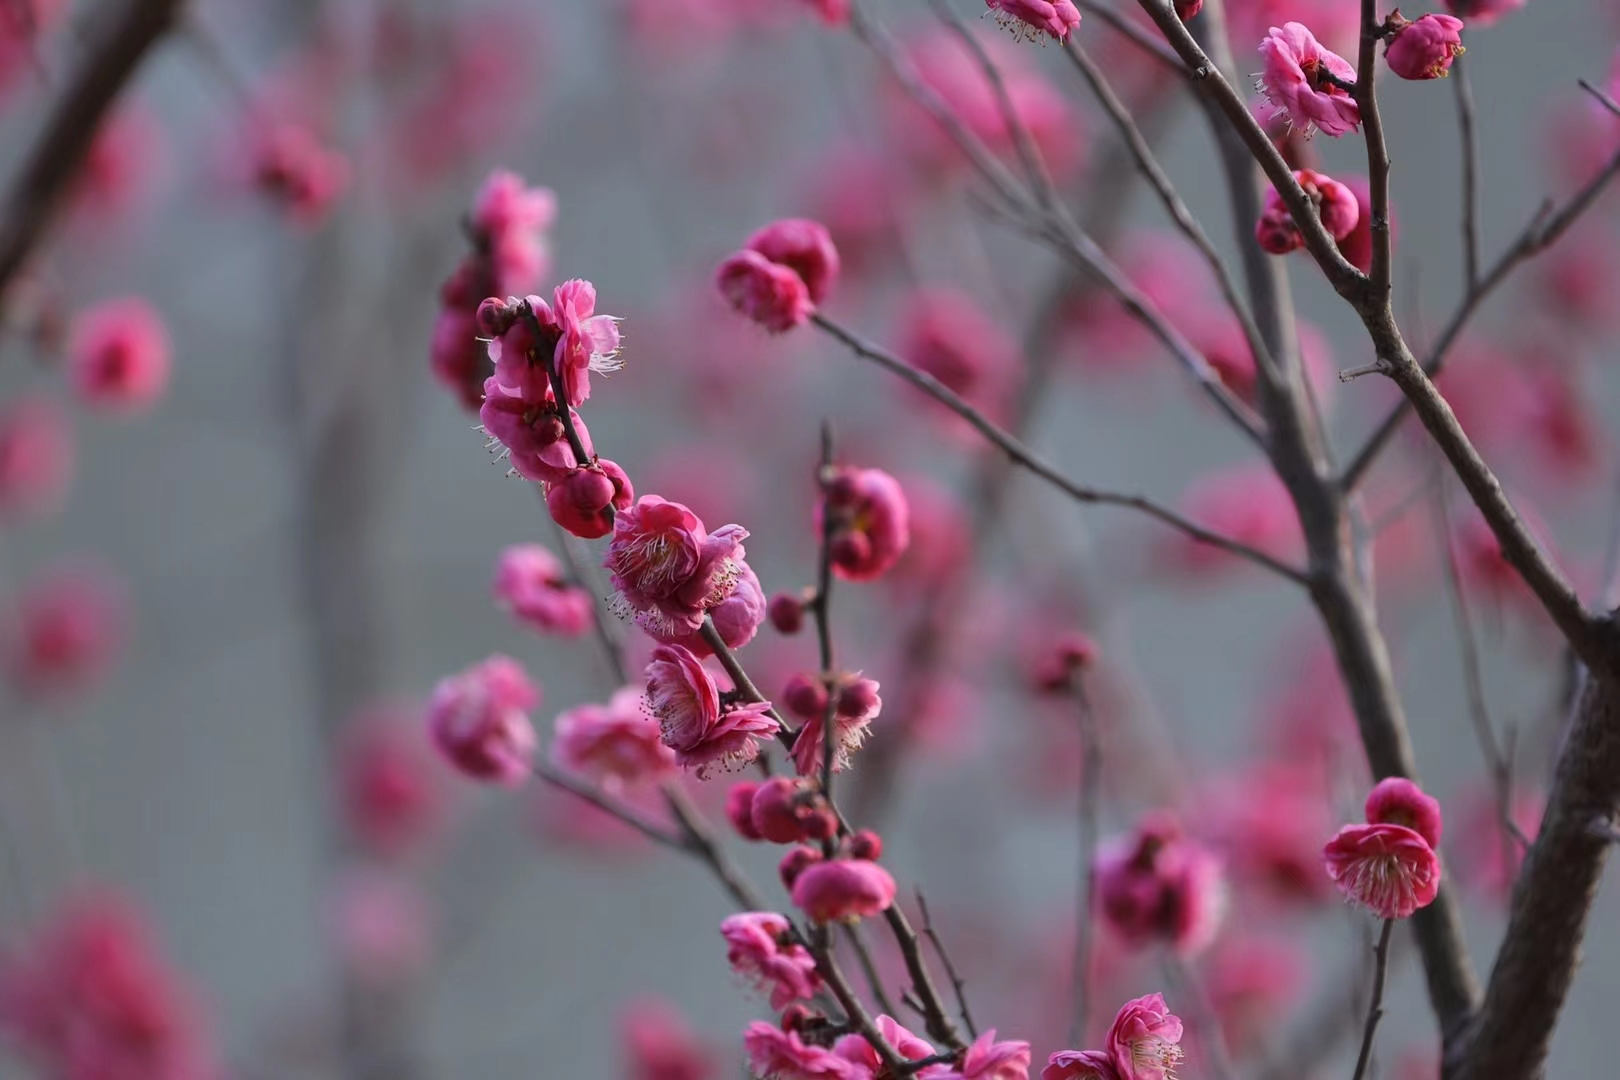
(1090, 785)
(958, 984)
(47, 176)
(1470, 170)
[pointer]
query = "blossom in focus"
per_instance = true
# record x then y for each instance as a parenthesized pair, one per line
(843, 890)
(36, 458)
(782, 1055)
(737, 618)
(568, 332)
(1388, 869)
(617, 744)
(1144, 1040)
(759, 947)
(587, 500)
(1158, 885)
(870, 522)
(1298, 81)
(531, 584)
(65, 630)
(856, 705)
(1395, 800)
(1424, 49)
(90, 996)
(1036, 17)
(118, 355)
(694, 723)
(668, 568)
(479, 721)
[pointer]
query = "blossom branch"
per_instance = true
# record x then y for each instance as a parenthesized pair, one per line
(1375, 1010)
(822, 610)
(856, 1012)
(1543, 229)
(1023, 456)
(958, 984)
(874, 982)
(566, 781)
(1365, 93)
(46, 178)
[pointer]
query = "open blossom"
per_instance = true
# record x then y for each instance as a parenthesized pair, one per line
(65, 631)
(1388, 869)
(856, 706)
(1424, 49)
(843, 890)
(578, 341)
(781, 1055)
(1080, 1065)
(91, 996)
(1054, 17)
(987, 1059)
(803, 246)
(769, 293)
(1159, 885)
(531, 584)
(759, 947)
(512, 218)
(479, 721)
(1397, 801)
(910, 1046)
(118, 354)
(1144, 1040)
(1335, 204)
(36, 458)
(737, 618)
(1299, 81)
(531, 434)
(870, 522)
(668, 568)
(702, 732)
(616, 743)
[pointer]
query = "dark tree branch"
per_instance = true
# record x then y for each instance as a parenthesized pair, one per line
(958, 984)
(1375, 1009)
(1365, 93)
(47, 176)
(1470, 172)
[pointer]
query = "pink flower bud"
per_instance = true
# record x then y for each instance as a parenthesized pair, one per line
(766, 292)
(795, 862)
(1388, 869)
(1424, 49)
(866, 844)
(479, 721)
(843, 890)
(1276, 232)
(786, 613)
(1036, 17)
(803, 246)
(496, 316)
(740, 809)
(786, 811)
(805, 696)
(1397, 801)
(870, 522)
(858, 698)
(584, 502)
(119, 355)
(1054, 670)
(1186, 9)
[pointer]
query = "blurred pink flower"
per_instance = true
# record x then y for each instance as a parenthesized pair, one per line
(388, 791)
(1248, 504)
(617, 744)
(803, 246)
(870, 526)
(1482, 12)
(987, 1059)
(380, 926)
(759, 947)
(1080, 1065)
(660, 1045)
(290, 165)
(782, 1055)
(118, 352)
(36, 458)
(1158, 885)
(479, 721)
(771, 294)
(788, 811)
(65, 630)
(531, 584)
(512, 219)
(945, 333)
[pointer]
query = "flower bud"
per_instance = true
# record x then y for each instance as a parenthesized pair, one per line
(786, 613)
(866, 844)
(740, 809)
(1424, 49)
(795, 862)
(805, 697)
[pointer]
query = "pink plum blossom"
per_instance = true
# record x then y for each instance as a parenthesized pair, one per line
(577, 340)
(1301, 79)
(531, 434)
(668, 568)
(36, 458)
(737, 618)
(1397, 801)
(857, 704)
(1158, 885)
(768, 293)
(910, 1047)
(291, 165)
(760, 948)
(987, 1059)
(1080, 1065)
(1335, 204)
(694, 724)
(806, 248)
(118, 354)
(1424, 49)
(870, 526)
(479, 721)
(586, 501)
(617, 744)
(1388, 869)
(659, 1044)
(945, 333)
(1144, 1040)
(512, 218)
(1036, 17)
(788, 811)
(781, 1055)
(843, 890)
(531, 584)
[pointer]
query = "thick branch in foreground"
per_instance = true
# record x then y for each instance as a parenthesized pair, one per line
(1552, 898)
(1028, 459)
(47, 177)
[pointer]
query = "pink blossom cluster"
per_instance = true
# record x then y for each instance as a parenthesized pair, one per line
(1158, 885)
(479, 721)
(782, 274)
(1143, 1043)
(1389, 865)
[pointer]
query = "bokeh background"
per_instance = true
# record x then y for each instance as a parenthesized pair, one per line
(307, 524)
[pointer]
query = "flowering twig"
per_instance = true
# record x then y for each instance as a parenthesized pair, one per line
(822, 610)
(579, 788)
(958, 984)
(46, 178)
(1375, 1010)
(1027, 458)
(1365, 93)
(856, 1012)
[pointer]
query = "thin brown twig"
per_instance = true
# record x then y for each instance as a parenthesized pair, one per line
(822, 610)
(856, 1013)
(1375, 1010)
(874, 982)
(1365, 93)
(1032, 462)
(958, 984)
(1470, 171)
(606, 803)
